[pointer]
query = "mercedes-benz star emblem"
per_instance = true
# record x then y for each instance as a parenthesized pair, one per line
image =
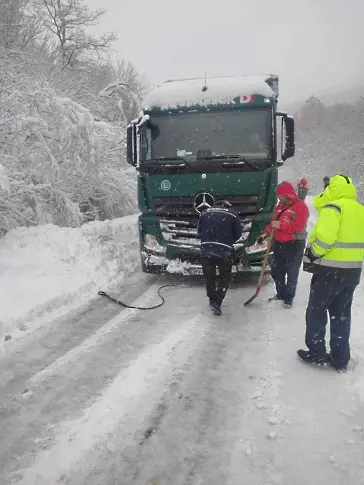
(203, 201)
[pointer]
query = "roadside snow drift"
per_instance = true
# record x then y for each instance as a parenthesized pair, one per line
(45, 267)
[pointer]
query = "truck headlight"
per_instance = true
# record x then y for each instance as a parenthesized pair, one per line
(151, 243)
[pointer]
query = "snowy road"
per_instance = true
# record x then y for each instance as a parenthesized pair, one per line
(177, 396)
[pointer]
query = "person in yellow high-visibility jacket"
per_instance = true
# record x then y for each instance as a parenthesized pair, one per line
(334, 254)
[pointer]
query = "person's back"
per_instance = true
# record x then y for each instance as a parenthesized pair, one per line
(219, 227)
(351, 228)
(352, 221)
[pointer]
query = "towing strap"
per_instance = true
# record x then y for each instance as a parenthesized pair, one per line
(125, 305)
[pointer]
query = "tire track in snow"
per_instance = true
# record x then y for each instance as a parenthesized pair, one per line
(41, 347)
(125, 403)
(65, 395)
(191, 442)
(147, 298)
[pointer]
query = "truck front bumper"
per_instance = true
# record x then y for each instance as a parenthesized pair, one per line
(186, 261)
(172, 246)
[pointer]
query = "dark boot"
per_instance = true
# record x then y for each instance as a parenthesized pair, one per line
(214, 305)
(216, 309)
(339, 368)
(275, 298)
(220, 295)
(287, 304)
(313, 358)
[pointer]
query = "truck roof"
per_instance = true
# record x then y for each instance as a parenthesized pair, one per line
(210, 91)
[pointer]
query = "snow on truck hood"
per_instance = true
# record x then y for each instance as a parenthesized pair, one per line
(220, 90)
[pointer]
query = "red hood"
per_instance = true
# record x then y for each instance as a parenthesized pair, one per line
(287, 190)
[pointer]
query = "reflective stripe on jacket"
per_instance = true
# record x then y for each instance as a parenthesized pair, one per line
(218, 229)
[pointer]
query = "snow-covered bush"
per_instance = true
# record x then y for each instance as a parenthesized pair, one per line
(61, 142)
(63, 167)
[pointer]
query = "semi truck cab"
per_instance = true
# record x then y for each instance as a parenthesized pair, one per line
(197, 141)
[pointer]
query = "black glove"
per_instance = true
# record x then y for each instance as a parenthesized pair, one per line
(310, 255)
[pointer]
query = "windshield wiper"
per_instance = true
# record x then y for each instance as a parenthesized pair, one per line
(242, 161)
(172, 159)
(236, 161)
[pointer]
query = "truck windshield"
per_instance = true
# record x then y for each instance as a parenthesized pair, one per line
(206, 135)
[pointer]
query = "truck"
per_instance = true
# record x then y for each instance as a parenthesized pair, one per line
(201, 140)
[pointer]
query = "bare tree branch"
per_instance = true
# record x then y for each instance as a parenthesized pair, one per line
(66, 21)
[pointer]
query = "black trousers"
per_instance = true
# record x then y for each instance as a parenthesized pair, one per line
(216, 288)
(285, 267)
(332, 294)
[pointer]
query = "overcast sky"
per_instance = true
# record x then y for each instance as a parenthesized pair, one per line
(314, 45)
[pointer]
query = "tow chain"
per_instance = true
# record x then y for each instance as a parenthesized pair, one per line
(125, 305)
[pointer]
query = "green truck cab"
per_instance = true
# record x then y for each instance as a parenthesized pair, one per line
(197, 141)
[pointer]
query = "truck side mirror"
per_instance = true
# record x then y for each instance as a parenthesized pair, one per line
(289, 146)
(131, 145)
(287, 134)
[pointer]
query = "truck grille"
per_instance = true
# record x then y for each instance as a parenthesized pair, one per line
(183, 232)
(244, 205)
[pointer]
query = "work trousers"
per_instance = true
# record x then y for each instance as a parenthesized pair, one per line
(216, 287)
(333, 294)
(285, 267)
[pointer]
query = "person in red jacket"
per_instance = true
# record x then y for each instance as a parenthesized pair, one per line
(302, 188)
(288, 224)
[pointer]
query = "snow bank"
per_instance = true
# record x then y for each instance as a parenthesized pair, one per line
(45, 267)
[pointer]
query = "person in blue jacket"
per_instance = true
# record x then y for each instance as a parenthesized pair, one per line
(219, 227)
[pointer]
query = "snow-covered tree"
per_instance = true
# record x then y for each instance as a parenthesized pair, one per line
(63, 166)
(66, 21)
(121, 97)
(62, 145)
(20, 27)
